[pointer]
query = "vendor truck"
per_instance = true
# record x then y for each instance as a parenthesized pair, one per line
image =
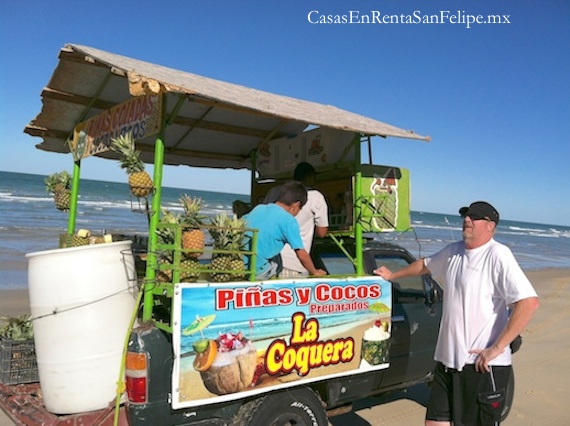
(208, 344)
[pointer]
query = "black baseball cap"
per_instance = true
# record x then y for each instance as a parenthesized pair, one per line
(482, 210)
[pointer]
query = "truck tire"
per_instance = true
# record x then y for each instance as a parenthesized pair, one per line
(301, 407)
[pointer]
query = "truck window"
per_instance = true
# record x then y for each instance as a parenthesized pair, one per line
(337, 264)
(410, 284)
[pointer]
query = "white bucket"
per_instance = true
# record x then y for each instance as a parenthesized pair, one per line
(82, 300)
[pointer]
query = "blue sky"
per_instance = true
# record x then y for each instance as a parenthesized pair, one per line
(494, 98)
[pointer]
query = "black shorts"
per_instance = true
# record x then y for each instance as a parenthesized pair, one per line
(468, 397)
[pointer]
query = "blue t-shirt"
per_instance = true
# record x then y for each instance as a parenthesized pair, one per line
(276, 227)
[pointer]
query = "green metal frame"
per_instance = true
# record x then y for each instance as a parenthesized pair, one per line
(151, 288)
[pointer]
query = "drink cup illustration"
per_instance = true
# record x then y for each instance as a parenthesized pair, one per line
(375, 345)
(232, 370)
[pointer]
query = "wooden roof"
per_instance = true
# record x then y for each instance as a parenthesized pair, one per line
(211, 123)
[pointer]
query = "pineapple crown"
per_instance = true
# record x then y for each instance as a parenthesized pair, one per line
(59, 180)
(125, 146)
(228, 232)
(166, 233)
(17, 328)
(191, 215)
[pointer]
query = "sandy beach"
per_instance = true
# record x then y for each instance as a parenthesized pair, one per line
(541, 366)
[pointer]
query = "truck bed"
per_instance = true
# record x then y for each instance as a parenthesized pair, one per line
(24, 405)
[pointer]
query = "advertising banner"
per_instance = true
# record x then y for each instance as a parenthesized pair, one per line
(386, 197)
(239, 339)
(140, 115)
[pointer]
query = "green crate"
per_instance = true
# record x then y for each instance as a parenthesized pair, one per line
(18, 362)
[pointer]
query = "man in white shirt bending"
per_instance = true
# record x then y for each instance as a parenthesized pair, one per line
(313, 221)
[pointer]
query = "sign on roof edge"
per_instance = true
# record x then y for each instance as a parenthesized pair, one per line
(140, 115)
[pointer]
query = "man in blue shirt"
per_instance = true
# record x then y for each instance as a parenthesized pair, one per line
(277, 226)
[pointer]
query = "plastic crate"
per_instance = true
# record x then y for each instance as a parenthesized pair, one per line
(18, 362)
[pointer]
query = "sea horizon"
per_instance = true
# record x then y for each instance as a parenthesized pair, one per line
(29, 222)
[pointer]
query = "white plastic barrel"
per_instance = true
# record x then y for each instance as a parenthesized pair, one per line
(82, 300)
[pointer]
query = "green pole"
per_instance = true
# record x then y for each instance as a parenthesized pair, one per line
(71, 220)
(151, 262)
(153, 224)
(358, 210)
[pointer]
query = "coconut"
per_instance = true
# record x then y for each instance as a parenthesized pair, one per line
(231, 371)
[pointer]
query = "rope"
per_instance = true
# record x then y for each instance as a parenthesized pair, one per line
(57, 311)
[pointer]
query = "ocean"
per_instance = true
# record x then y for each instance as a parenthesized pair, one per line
(29, 222)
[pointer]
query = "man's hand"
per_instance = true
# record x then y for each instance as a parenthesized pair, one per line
(415, 268)
(485, 356)
(383, 272)
(320, 272)
(308, 264)
(521, 314)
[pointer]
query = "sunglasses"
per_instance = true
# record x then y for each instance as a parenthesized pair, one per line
(474, 216)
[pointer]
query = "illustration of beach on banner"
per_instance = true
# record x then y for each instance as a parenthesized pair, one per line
(238, 339)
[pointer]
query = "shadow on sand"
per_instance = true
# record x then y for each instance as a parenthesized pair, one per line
(418, 393)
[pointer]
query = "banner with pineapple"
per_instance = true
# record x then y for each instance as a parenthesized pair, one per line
(240, 339)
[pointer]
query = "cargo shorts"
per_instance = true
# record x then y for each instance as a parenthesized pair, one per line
(468, 397)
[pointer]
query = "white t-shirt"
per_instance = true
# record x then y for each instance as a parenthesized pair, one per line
(314, 213)
(479, 285)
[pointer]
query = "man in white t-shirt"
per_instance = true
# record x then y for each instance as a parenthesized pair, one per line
(313, 221)
(487, 303)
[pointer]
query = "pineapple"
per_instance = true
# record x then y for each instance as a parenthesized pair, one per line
(164, 275)
(64, 240)
(59, 184)
(140, 182)
(192, 236)
(220, 265)
(165, 236)
(77, 241)
(80, 238)
(101, 239)
(189, 270)
(228, 235)
(189, 267)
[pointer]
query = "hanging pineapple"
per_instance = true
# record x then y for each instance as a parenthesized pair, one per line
(192, 236)
(59, 184)
(140, 182)
(228, 236)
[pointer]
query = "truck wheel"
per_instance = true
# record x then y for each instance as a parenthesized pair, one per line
(300, 407)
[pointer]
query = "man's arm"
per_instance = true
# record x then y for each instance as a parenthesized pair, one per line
(307, 262)
(321, 231)
(321, 215)
(413, 269)
(522, 313)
